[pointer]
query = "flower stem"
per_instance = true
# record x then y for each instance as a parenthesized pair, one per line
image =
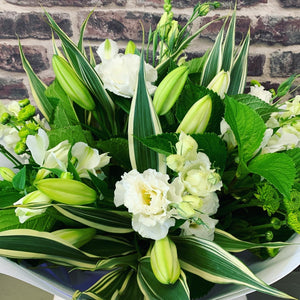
(9, 156)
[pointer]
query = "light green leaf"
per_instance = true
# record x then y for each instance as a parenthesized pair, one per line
(247, 126)
(153, 289)
(277, 168)
(209, 261)
(294, 154)
(102, 219)
(230, 243)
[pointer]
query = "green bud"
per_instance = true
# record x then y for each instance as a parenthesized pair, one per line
(76, 237)
(174, 31)
(163, 25)
(203, 9)
(130, 48)
(254, 82)
(7, 174)
(164, 261)
(269, 235)
(23, 132)
(66, 175)
(194, 201)
(5, 117)
(33, 127)
(24, 102)
(67, 191)
(175, 162)
(169, 90)
(185, 210)
(20, 147)
(220, 83)
(71, 83)
(26, 113)
(276, 223)
(216, 4)
(197, 118)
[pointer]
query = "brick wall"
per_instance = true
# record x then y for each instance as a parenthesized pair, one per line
(274, 24)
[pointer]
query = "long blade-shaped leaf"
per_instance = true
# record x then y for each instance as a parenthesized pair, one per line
(88, 75)
(143, 122)
(106, 220)
(214, 61)
(153, 289)
(37, 88)
(32, 244)
(230, 243)
(238, 72)
(82, 29)
(228, 45)
(209, 261)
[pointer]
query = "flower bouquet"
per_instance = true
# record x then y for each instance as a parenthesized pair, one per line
(148, 169)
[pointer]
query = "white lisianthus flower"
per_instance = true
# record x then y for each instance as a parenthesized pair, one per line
(147, 196)
(198, 178)
(88, 159)
(227, 135)
(204, 231)
(210, 204)
(107, 50)
(36, 197)
(261, 93)
(187, 147)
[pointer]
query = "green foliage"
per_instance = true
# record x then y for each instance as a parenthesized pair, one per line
(19, 179)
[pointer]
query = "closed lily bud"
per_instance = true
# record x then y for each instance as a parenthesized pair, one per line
(77, 237)
(164, 261)
(174, 31)
(169, 90)
(220, 83)
(130, 48)
(197, 118)
(71, 83)
(7, 174)
(67, 191)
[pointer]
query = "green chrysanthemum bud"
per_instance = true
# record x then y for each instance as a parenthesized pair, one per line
(76, 237)
(24, 102)
(197, 118)
(20, 147)
(26, 113)
(164, 261)
(203, 9)
(220, 83)
(67, 191)
(23, 132)
(169, 90)
(71, 83)
(7, 174)
(130, 48)
(5, 117)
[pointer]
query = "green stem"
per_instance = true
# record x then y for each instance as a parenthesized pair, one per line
(9, 156)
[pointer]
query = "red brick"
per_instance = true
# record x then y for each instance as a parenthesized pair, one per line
(284, 64)
(256, 64)
(290, 3)
(11, 88)
(82, 3)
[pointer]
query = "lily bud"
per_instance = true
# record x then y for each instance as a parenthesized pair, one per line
(220, 83)
(130, 48)
(163, 25)
(77, 237)
(67, 191)
(174, 31)
(71, 83)
(197, 118)
(169, 90)
(7, 174)
(164, 261)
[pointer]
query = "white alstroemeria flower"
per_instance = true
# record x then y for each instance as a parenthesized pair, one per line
(204, 231)
(198, 178)
(147, 196)
(35, 197)
(119, 73)
(88, 159)
(260, 92)
(107, 50)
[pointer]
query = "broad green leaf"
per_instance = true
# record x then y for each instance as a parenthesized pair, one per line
(277, 168)
(31, 244)
(105, 220)
(247, 126)
(143, 122)
(19, 179)
(37, 88)
(8, 197)
(209, 261)
(294, 154)
(262, 108)
(238, 72)
(153, 289)
(229, 44)
(214, 61)
(230, 243)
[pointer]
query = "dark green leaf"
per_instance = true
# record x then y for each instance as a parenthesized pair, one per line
(19, 179)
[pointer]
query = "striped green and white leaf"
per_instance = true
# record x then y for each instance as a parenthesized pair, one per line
(230, 243)
(89, 76)
(82, 29)
(130, 260)
(143, 122)
(153, 289)
(37, 88)
(211, 262)
(238, 72)
(32, 244)
(101, 219)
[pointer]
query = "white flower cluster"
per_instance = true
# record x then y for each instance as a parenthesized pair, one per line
(260, 92)
(155, 203)
(119, 72)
